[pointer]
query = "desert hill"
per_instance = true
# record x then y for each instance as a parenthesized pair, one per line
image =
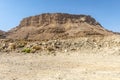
(2, 34)
(59, 47)
(59, 32)
(57, 26)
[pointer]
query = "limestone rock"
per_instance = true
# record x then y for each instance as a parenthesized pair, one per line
(57, 26)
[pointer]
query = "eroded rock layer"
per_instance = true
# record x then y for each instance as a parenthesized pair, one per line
(57, 26)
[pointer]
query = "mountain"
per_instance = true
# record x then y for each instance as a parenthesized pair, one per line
(57, 26)
(2, 34)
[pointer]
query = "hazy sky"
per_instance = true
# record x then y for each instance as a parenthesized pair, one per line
(107, 12)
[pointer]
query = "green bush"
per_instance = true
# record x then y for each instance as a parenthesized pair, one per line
(26, 50)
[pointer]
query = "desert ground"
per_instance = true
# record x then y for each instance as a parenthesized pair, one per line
(62, 66)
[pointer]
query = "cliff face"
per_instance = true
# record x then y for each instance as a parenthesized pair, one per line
(57, 25)
(57, 18)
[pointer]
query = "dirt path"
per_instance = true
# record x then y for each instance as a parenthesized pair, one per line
(60, 67)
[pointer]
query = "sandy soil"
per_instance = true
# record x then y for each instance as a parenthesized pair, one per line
(60, 67)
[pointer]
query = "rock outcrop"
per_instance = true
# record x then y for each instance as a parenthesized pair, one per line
(57, 26)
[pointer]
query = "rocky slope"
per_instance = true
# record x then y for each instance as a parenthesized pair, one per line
(2, 34)
(57, 26)
(87, 44)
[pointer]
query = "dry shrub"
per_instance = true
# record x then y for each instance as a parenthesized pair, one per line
(11, 46)
(21, 44)
(50, 49)
(37, 47)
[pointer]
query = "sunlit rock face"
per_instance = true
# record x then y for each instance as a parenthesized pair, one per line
(57, 26)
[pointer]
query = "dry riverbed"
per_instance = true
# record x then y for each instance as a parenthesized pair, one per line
(73, 66)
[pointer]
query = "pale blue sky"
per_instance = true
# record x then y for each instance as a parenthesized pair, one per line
(107, 12)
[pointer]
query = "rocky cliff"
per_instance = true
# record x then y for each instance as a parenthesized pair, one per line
(57, 26)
